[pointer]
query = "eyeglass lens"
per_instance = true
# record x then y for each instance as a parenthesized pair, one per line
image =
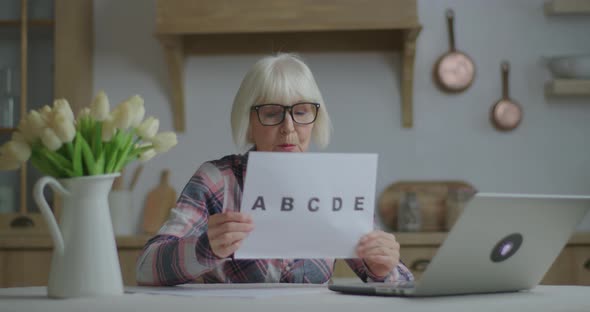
(273, 114)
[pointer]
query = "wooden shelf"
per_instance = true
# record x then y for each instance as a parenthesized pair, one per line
(568, 87)
(268, 26)
(38, 22)
(7, 130)
(562, 7)
(42, 23)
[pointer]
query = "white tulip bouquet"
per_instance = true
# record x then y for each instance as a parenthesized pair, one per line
(97, 142)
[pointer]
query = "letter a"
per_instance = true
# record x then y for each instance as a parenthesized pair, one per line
(259, 203)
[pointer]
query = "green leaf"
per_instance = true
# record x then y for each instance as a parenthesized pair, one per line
(70, 148)
(62, 151)
(88, 157)
(77, 159)
(54, 165)
(90, 131)
(86, 128)
(56, 158)
(99, 166)
(138, 150)
(81, 125)
(43, 166)
(110, 150)
(110, 165)
(107, 155)
(123, 156)
(70, 172)
(118, 140)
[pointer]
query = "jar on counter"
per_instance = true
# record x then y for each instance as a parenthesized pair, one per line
(6, 198)
(7, 99)
(456, 201)
(408, 215)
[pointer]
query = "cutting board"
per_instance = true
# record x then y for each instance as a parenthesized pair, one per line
(158, 203)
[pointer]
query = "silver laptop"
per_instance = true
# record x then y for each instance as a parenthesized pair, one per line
(500, 243)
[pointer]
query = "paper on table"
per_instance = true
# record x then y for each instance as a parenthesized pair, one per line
(252, 291)
(307, 205)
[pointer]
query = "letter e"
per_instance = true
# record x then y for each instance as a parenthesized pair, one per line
(358, 202)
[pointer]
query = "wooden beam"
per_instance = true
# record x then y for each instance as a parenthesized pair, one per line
(317, 41)
(74, 44)
(254, 16)
(407, 76)
(23, 95)
(174, 53)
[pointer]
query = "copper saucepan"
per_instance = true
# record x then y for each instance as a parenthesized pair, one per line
(454, 71)
(506, 114)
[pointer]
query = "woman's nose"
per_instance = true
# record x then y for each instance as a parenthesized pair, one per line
(288, 124)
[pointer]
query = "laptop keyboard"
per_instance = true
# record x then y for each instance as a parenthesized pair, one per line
(398, 284)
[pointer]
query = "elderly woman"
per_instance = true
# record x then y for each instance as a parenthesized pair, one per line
(278, 108)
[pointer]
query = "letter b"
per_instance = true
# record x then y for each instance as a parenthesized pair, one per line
(287, 204)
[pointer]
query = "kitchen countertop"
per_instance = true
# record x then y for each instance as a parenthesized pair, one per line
(44, 241)
(133, 242)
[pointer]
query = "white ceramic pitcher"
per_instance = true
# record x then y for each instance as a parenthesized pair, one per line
(85, 261)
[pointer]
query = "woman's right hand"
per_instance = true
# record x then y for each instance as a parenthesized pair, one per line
(226, 231)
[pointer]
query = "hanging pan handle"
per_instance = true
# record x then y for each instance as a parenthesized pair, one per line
(505, 72)
(450, 24)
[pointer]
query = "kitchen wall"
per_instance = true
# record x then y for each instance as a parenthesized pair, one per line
(451, 137)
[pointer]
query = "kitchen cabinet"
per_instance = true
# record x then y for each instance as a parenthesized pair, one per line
(48, 46)
(572, 266)
(26, 260)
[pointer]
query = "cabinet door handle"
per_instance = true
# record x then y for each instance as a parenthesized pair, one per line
(587, 264)
(420, 265)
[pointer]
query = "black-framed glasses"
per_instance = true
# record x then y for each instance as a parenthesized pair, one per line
(274, 114)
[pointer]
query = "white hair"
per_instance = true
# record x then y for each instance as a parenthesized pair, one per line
(283, 78)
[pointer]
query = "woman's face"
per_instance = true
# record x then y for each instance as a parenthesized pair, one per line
(287, 136)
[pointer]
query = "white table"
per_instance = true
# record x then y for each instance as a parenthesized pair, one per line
(541, 298)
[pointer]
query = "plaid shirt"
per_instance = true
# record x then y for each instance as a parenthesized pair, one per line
(180, 252)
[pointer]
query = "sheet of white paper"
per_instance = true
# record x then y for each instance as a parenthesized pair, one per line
(307, 205)
(252, 291)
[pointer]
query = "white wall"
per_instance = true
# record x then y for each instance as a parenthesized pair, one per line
(451, 138)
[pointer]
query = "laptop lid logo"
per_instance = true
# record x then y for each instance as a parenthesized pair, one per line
(506, 247)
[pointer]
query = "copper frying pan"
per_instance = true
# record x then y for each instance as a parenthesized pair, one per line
(454, 71)
(506, 114)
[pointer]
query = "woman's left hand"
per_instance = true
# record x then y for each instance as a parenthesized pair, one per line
(380, 251)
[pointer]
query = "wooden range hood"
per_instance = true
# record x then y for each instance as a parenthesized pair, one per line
(186, 27)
